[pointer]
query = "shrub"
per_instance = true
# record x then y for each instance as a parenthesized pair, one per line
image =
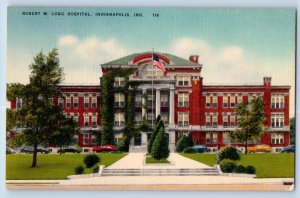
(250, 170)
(229, 153)
(78, 170)
(239, 169)
(189, 140)
(95, 169)
(189, 150)
(160, 147)
(227, 166)
(91, 160)
(181, 144)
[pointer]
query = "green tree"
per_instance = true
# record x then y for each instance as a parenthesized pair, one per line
(292, 131)
(158, 124)
(11, 119)
(189, 141)
(181, 143)
(251, 122)
(160, 148)
(43, 120)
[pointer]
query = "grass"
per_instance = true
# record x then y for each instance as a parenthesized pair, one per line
(267, 165)
(151, 160)
(50, 166)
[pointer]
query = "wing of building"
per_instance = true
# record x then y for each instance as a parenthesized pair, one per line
(184, 102)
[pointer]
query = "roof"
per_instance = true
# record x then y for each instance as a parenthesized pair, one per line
(175, 60)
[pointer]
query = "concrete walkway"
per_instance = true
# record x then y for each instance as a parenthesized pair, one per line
(137, 161)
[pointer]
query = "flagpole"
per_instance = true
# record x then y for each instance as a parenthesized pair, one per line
(152, 85)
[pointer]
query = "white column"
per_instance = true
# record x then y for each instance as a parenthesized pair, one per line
(157, 103)
(172, 141)
(172, 107)
(143, 103)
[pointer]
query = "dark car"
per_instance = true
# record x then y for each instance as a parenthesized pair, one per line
(289, 149)
(40, 149)
(70, 149)
(201, 149)
(104, 148)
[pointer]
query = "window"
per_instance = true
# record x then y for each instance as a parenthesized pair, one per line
(151, 101)
(277, 101)
(215, 121)
(75, 118)
(232, 120)
(119, 82)
(225, 101)
(183, 100)
(207, 138)
(232, 101)
(94, 102)
(85, 139)
(138, 118)
(207, 101)
(277, 138)
(68, 102)
(226, 139)
(183, 80)
(75, 102)
(183, 119)
(68, 115)
(86, 121)
(51, 100)
(165, 118)
(94, 121)
(138, 100)
(215, 138)
(119, 100)
(239, 99)
(61, 103)
(250, 97)
(277, 120)
(151, 118)
(225, 120)
(207, 121)
(86, 102)
(94, 139)
(164, 100)
(119, 119)
(215, 101)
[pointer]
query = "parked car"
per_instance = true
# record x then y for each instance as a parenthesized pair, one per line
(201, 149)
(259, 148)
(70, 149)
(40, 149)
(104, 148)
(288, 149)
(10, 151)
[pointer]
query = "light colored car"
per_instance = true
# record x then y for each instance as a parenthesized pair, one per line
(260, 148)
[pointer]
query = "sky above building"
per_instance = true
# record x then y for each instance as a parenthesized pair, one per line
(236, 46)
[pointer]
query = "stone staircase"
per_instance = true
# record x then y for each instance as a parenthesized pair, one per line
(161, 172)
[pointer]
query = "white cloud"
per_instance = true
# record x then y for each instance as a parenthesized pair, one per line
(68, 40)
(82, 61)
(234, 65)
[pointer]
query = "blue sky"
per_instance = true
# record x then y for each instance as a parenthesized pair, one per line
(236, 46)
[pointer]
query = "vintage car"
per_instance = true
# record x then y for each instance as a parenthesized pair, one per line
(70, 149)
(104, 148)
(201, 149)
(289, 149)
(259, 148)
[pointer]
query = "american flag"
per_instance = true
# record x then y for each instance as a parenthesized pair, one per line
(157, 63)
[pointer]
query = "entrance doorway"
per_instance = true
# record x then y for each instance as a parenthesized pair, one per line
(138, 139)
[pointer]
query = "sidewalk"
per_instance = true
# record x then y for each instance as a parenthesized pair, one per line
(137, 160)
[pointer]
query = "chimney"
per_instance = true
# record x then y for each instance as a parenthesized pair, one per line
(194, 58)
(267, 81)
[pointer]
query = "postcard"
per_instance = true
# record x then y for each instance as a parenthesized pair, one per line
(150, 98)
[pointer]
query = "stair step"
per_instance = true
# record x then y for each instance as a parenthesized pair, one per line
(160, 172)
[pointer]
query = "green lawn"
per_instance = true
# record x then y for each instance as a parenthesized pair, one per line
(267, 165)
(50, 166)
(151, 160)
